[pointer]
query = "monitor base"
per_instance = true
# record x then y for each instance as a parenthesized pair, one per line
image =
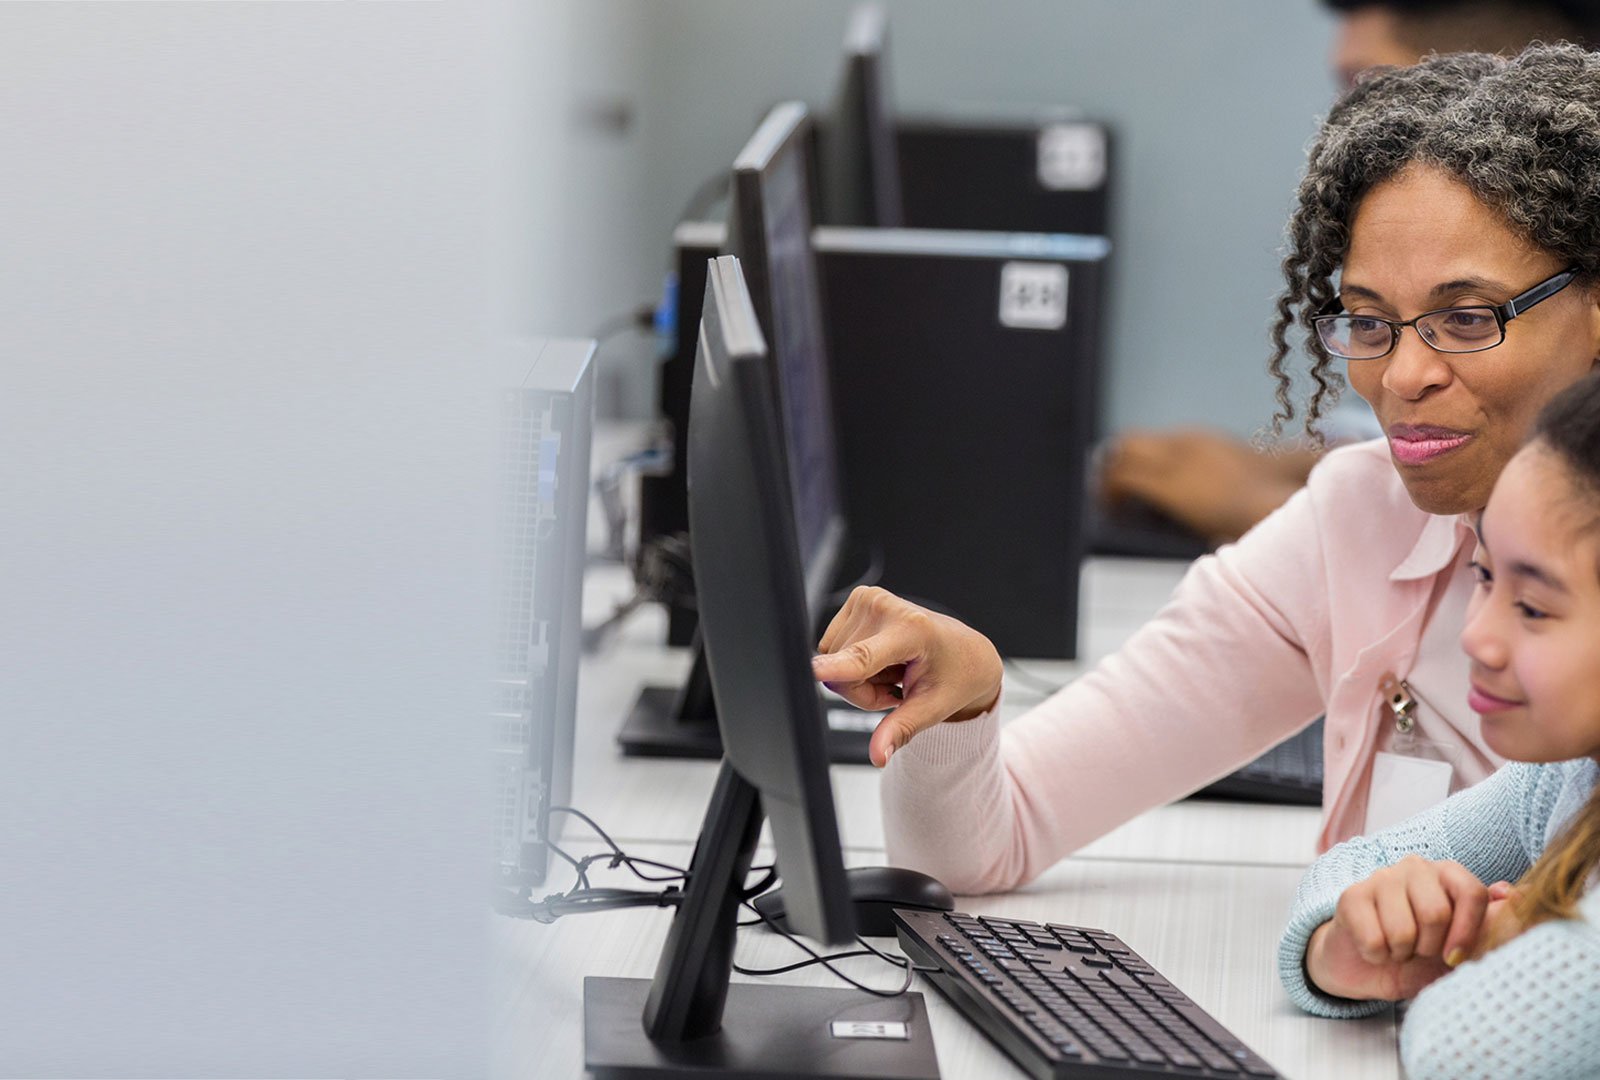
(774, 1032)
(654, 729)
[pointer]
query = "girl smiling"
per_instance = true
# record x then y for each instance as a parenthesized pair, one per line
(1388, 917)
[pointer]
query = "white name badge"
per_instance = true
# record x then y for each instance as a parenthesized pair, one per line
(1403, 786)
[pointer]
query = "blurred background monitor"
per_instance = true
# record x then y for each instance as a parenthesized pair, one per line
(860, 167)
(770, 232)
(770, 229)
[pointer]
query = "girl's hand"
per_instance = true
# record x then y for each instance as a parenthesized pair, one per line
(1398, 931)
(882, 652)
(1500, 922)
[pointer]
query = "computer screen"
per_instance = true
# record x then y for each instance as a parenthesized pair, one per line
(860, 163)
(770, 231)
(757, 639)
(546, 413)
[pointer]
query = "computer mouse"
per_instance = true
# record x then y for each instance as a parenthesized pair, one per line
(876, 891)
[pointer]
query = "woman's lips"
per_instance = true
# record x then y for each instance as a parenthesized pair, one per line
(1413, 444)
(1484, 703)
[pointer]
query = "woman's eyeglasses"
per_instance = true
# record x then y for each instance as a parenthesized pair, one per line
(1447, 330)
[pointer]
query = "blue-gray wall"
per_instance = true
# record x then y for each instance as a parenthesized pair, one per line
(1213, 104)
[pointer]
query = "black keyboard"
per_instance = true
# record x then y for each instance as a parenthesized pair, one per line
(1067, 1001)
(1290, 772)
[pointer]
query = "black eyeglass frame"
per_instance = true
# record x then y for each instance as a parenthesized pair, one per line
(1503, 313)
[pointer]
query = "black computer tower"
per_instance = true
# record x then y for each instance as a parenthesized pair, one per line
(965, 386)
(1049, 174)
(664, 499)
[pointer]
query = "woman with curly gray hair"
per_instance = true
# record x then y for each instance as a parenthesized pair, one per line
(1445, 252)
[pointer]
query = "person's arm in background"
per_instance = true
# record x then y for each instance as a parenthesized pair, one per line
(1222, 673)
(1214, 484)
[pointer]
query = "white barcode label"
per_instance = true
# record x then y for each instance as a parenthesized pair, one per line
(1033, 296)
(870, 1029)
(1072, 157)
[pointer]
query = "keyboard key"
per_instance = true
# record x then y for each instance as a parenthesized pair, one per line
(1116, 977)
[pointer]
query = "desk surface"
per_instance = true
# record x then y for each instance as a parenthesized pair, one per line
(1212, 929)
(1201, 889)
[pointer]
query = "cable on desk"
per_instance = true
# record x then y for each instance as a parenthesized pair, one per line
(818, 958)
(585, 898)
(897, 961)
(618, 857)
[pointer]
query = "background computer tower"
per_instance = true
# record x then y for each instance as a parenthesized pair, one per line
(664, 499)
(546, 413)
(965, 386)
(1050, 174)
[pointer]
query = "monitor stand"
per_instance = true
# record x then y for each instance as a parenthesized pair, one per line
(684, 1024)
(681, 722)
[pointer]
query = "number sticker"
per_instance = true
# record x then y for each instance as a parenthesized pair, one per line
(1072, 157)
(1033, 296)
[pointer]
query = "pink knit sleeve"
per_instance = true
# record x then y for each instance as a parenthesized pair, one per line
(1219, 675)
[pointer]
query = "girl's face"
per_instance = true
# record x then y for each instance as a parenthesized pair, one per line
(1533, 626)
(1420, 242)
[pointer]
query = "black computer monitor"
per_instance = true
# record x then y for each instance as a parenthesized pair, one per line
(860, 166)
(757, 638)
(769, 228)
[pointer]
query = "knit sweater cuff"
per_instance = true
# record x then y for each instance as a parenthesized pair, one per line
(1292, 966)
(958, 743)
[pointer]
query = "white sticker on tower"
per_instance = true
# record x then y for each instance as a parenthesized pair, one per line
(1072, 157)
(1033, 296)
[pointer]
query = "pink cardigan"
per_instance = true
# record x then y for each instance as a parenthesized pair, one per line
(1302, 616)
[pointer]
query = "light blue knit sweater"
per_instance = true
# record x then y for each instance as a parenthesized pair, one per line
(1530, 1008)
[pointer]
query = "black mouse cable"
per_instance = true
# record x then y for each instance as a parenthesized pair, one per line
(585, 897)
(897, 961)
(826, 961)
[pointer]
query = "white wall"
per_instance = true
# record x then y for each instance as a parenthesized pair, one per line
(247, 282)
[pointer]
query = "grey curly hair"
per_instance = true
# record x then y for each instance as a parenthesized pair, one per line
(1523, 135)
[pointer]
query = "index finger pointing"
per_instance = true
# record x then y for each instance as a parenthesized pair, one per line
(861, 660)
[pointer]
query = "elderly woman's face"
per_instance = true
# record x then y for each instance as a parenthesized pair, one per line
(1422, 241)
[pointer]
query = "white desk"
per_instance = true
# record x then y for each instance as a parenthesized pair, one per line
(1212, 929)
(1199, 888)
